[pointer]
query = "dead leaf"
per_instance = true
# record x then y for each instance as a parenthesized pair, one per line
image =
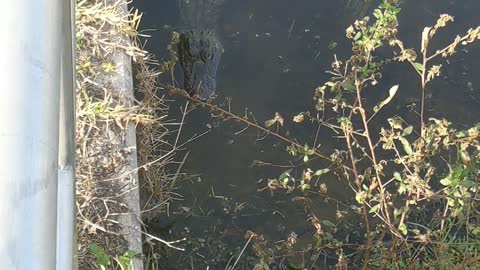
(259, 163)
(425, 38)
(270, 123)
(249, 234)
(279, 118)
(299, 118)
(391, 94)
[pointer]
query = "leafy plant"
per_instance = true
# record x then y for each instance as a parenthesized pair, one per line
(104, 261)
(416, 184)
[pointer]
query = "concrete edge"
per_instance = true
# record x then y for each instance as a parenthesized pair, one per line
(122, 84)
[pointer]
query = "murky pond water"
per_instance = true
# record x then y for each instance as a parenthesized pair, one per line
(276, 54)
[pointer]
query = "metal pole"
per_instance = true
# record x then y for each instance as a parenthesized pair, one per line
(29, 118)
(66, 232)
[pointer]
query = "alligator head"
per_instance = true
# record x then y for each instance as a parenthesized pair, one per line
(199, 53)
(199, 48)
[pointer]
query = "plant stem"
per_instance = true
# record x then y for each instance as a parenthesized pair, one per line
(453, 44)
(424, 85)
(364, 207)
(372, 148)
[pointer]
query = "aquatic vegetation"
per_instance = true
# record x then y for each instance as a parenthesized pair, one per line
(397, 174)
(414, 179)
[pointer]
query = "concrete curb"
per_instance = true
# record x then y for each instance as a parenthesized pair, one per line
(121, 82)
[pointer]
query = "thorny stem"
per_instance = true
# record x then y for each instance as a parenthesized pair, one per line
(364, 207)
(247, 122)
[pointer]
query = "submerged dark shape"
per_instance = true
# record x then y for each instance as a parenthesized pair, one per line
(199, 48)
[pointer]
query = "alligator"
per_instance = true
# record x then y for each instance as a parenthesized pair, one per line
(199, 48)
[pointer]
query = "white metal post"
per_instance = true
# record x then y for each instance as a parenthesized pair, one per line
(66, 232)
(30, 34)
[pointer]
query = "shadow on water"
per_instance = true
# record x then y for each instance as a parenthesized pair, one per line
(276, 54)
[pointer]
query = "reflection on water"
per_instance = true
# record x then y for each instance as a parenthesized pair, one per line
(276, 53)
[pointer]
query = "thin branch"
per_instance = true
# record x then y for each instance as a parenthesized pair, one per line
(169, 244)
(364, 207)
(229, 115)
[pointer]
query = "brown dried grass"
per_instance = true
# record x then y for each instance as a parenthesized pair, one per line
(102, 115)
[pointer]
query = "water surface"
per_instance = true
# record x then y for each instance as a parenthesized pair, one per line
(276, 54)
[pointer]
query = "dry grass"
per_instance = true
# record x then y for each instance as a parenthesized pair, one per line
(155, 152)
(102, 115)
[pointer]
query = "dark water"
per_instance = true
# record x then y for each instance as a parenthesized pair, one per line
(276, 54)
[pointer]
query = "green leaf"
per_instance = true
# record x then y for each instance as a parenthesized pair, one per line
(305, 158)
(284, 182)
(331, 84)
(476, 231)
(349, 87)
(402, 188)
(406, 146)
(418, 66)
(360, 197)
(377, 13)
(396, 212)
(374, 209)
(397, 176)
(447, 181)
(305, 148)
(407, 131)
(403, 229)
(285, 174)
(357, 36)
(305, 187)
(125, 262)
(130, 253)
(102, 258)
(321, 172)
(295, 266)
(328, 223)
(468, 183)
(344, 122)
(461, 134)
